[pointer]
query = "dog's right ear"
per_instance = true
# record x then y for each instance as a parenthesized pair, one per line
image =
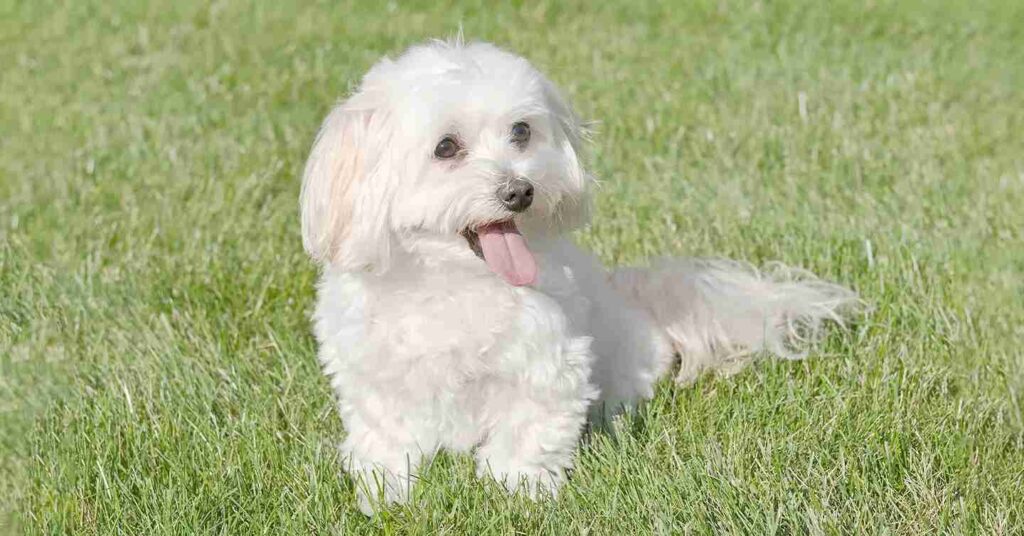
(342, 156)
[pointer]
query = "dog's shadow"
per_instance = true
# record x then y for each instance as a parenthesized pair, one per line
(622, 424)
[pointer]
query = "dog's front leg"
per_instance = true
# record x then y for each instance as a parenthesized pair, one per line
(382, 455)
(535, 417)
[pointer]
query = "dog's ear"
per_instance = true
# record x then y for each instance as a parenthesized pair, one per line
(573, 128)
(574, 211)
(344, 155)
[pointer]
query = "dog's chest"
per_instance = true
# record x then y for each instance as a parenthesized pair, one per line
(448, 323)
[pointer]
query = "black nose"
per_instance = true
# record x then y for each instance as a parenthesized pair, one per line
(516, 195)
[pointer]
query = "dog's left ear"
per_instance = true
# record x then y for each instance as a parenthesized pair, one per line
(574, 212)
(573, 128)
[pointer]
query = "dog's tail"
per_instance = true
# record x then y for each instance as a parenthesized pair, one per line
(719, 313)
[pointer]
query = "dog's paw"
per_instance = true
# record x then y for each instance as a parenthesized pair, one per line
(375, 493)
(532, 482)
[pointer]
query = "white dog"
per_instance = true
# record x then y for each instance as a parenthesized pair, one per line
(455, 312)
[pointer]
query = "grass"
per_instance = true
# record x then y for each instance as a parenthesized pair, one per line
(157, 374)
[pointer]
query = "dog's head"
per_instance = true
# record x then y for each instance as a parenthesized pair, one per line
(449, 139)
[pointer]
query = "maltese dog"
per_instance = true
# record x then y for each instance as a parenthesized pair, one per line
(454, 310)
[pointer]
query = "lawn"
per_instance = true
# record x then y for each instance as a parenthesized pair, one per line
(157, 372)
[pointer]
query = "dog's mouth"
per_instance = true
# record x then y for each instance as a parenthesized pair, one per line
(503, 248)
(473, 240)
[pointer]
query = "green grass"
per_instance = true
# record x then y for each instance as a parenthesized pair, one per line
(157, 373)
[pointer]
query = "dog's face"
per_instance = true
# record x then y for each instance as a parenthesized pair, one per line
(449, 140)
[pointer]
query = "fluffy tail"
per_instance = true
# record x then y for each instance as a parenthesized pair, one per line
(720, 313)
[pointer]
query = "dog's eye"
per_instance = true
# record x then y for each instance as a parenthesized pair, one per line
(446, 148)
(520, 134)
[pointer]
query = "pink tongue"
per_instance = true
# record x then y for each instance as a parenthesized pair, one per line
(506, 254)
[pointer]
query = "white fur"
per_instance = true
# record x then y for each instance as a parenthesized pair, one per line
(428, 349)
